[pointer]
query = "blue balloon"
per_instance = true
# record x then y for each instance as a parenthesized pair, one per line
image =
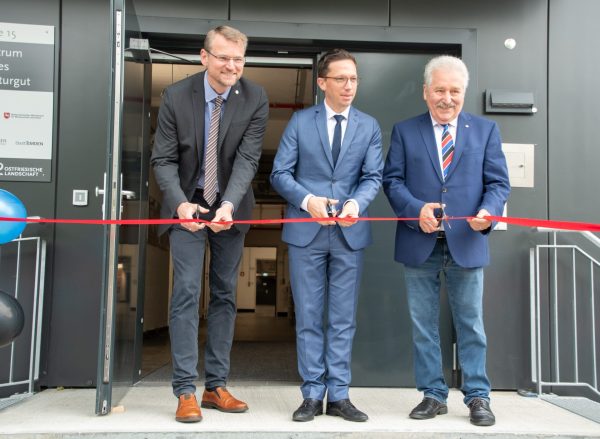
(11, 207)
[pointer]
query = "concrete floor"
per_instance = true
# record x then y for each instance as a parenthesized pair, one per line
(148, 412)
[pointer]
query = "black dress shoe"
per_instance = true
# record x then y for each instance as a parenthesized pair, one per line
(481, 413)
(346, 410)
(308, 410)
(429, 408)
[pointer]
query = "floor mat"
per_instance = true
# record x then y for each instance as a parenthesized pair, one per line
(250, 361)
(581, 406)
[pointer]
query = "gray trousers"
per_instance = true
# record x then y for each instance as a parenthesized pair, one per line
(187, 251)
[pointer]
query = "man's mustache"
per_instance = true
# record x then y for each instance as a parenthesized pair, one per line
(445, 106)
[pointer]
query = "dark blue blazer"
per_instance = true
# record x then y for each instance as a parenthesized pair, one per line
(304, 165)
(477, 179)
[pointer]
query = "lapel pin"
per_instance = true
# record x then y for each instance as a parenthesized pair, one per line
(466, 126)
(237, 92)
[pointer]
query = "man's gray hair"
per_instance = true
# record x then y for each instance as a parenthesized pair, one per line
(446, 62)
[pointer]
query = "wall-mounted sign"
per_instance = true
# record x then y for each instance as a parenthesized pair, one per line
(26, 101)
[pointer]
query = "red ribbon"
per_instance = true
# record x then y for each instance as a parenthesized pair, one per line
(524, 222)
(562, 225)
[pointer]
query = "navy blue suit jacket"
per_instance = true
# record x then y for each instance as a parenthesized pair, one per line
(477, 179)
(304, 165)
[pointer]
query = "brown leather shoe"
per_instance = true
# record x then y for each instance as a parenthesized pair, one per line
(187, 409)
(222, 400)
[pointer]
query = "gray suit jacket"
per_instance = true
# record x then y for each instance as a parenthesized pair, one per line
(179, 144)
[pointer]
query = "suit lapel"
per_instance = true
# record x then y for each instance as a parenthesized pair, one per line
(199, 103)
(234, 101)
(426, 129)
(462, 138)
(349, 134)
(321, 123)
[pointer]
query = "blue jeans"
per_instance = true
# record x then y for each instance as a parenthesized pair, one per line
(465, 294)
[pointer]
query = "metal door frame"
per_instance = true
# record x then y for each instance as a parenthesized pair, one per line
(111, 209)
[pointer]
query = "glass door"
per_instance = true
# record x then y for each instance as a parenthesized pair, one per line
(125, 197)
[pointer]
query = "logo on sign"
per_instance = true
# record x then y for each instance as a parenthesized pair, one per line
(6, 115)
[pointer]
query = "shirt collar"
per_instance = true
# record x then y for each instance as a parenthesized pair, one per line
(330, 113)
(452, 123)
(210, 94)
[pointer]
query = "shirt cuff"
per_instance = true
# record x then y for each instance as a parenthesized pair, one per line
(304, 204)
(230, 203)
(352, 200)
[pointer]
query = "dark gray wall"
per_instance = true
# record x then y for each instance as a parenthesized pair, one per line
(39, 197)
(375, 13)
(574, 67)
(183, 9)
(479, 27)
(573, 158)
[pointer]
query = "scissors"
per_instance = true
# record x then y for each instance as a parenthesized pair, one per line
(330, 209)
(441, 215)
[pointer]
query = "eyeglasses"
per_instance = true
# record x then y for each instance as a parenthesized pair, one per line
(342, 80)
(237, 60)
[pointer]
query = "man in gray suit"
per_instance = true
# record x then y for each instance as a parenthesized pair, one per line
(206, 151)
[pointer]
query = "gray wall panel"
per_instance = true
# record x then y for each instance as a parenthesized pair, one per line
(39, 198)
(573, 122)
(205, 9)
(375, 13)
(573, 159)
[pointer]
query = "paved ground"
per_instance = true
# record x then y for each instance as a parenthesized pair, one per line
(147, 412)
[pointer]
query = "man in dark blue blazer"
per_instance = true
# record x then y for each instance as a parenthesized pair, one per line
(206, 151)
(329, 158)
(446, 163)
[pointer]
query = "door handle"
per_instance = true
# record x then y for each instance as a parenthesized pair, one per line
(128, 195)
(99, 192)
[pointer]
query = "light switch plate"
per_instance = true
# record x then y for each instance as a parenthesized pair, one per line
(80, 197)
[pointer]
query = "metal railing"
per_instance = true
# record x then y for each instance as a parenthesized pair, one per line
(556, 334)
(36, 312)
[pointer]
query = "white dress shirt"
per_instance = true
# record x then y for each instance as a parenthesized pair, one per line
(331, 123)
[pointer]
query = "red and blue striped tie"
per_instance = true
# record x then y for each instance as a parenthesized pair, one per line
(447, 150)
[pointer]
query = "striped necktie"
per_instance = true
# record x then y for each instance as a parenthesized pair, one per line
(210, 165)
(447, 150)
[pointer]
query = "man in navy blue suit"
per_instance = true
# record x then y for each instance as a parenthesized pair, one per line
(329, 159)
(446, 163)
